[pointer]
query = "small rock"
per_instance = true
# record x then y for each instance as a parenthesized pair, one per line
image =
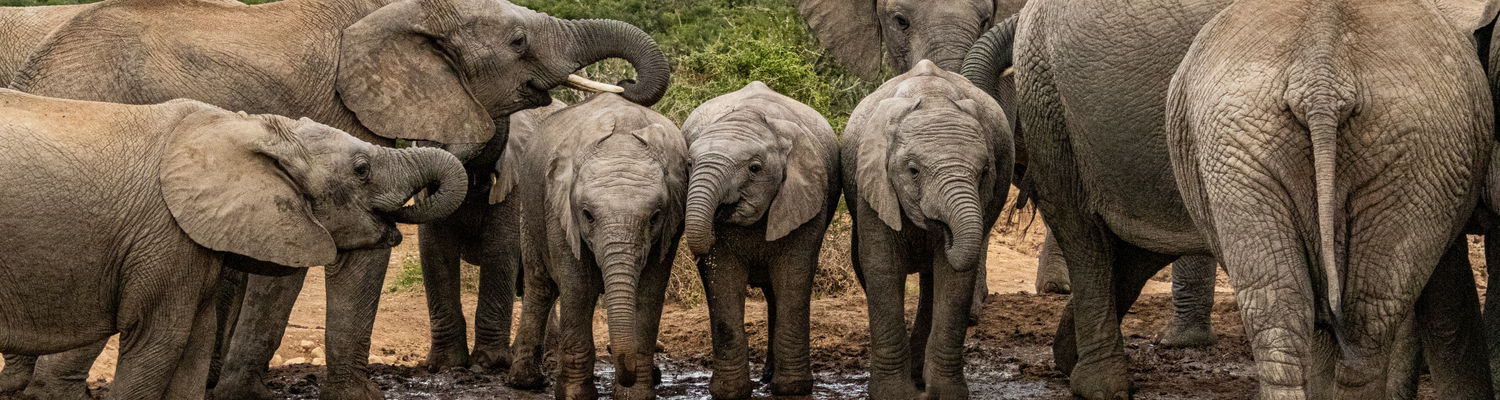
(306, 344)
(317, 352)
(277, 360)
(317, 361)
(297, 360)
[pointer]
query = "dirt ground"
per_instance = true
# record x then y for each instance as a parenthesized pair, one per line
(1008, 355)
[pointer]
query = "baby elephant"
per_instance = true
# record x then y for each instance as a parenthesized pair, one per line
(927, 163)
(120, 217)
(770, 164)
(601, 189)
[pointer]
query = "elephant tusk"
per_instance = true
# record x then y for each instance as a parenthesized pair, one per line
(1008, 71)
(591, 86)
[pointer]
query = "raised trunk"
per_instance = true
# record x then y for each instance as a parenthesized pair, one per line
(599, 39)
(702, 201)
(964, 218)
(436, 173)
(620, 262)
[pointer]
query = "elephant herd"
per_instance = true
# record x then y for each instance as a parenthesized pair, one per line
(1330, 155)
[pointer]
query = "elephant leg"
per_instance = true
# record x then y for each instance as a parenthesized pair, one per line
(921, 328)
(791, 282)
(492, 318)
(1491, 303)
(190, 373)
(258, 332)
(17, 373)
(1051, 268)
(575, 355)
(65, 375)
(724, 282)
(1131, 268)
(532, 332)
(944, 365)
(1405, 363)
(883, 275)
(441, 245)
(1192, 302)
(1447, 313)
(981, 294)
(354, 294)
(227, 303)
(651, 293)
(768, 371)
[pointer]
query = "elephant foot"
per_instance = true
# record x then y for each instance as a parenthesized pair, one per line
(1103, 380)
(792, 386)
(239, 386)
(492, 358)
(526, 374)
(893, 388)
(1053, 287)
(729, 385)
(350, 388)
(637, 392)
(441, 358)
(946, 390)
(69, 391)
(1187, 334)
(582, 391)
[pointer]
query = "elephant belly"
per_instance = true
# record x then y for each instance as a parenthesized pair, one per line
(46, 310)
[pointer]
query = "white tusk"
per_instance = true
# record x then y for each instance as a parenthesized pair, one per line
(591, 86)
(1009, 71)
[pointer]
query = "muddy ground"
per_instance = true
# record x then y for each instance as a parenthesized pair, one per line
(1008, 355)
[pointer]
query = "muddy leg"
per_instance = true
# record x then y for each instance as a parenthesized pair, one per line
(354, 284)
(921, 328)
(526, 370)
(262, 323)
(651, 294)
(1193, 302)
(792, 281)
(767, 371)
(1051, 268)
(440, 248)
(944, 366)
(493, 316)
(575, 356)
(724, 283)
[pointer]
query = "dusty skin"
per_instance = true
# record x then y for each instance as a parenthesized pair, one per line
(1008, 354)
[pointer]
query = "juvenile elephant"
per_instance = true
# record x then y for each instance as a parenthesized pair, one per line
(926, 162)
(860, 33)
(763, 188)
(485, 231)
(129, 212)
(375, 69)
(601, 191)
(1301, 174)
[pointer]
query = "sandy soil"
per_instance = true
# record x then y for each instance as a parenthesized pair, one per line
(1008, 354)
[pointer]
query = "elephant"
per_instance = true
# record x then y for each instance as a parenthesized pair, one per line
(601, 191)
(906, 30)
(496, 250)
(926, 171)
(764, 186)
(131, 211)
(26, 28)
(1349, 226)
(375, 69)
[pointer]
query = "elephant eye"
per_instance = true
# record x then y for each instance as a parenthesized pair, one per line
(519, 43)
(362, 168)
(913, 171)
(588, 216)
(902, 22)
(655, 217)
(755, 168)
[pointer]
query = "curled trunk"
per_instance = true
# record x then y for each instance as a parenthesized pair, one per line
(989, 57)
(620, 262)
(965, 223)
(436, 173)
(702, 201)
(599, 39)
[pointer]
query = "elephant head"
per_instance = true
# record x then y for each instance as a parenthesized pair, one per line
(909, 30)
(444, 70)
(615, 187)
(933, 149)
(754, 152)
(295, 192)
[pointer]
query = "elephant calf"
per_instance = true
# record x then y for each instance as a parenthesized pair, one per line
(601, 189)
(763, 187)
(927, 165)
(120, 218)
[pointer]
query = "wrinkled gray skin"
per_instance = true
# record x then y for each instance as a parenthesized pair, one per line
(763, 187)
(496, 249)
(926, 163)
(601, 190)
(1333, 110)
(174, 192)
(368, 67)
(24, 29)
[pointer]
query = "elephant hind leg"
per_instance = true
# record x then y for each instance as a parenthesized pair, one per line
(65, 375)
(531, 334)
(1448, 323)
(1131, 267)
(440, 249)
(492, 318)
(1192, 303)
(17, 373)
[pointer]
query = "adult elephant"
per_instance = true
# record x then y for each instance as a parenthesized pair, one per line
(376, 69)
(1299, 173)
(24, 29)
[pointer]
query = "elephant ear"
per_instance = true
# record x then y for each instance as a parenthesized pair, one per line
(393, 75)
(1466, 15)
(229, 181)
(561, 175)
(847, 30)
(523, 125)
(803, 191)
(873, 173)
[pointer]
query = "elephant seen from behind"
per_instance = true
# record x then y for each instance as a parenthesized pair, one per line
(601, 189)
(763, 187)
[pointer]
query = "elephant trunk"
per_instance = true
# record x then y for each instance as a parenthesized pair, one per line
(599, 39)
(440, 177)
(990, 57)
(702, 201)
(961, 212)
(619, 262)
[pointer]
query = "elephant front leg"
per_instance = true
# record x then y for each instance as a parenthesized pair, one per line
(65, 375)
(191, 370)
(921, 328)
(1051, 268)
(651, 293)
(724, 283)
(1192, 302)
(575, 355)
(493, 316)
(440, 248)
(531, 334)
(17, 373)
(261, 325)
(353, 296)
(885, 292)
(792, 282)
(944, 366)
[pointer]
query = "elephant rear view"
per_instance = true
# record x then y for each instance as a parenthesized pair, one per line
(1334, 178)
(129, 234)
(927, 166)
(601, 189)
